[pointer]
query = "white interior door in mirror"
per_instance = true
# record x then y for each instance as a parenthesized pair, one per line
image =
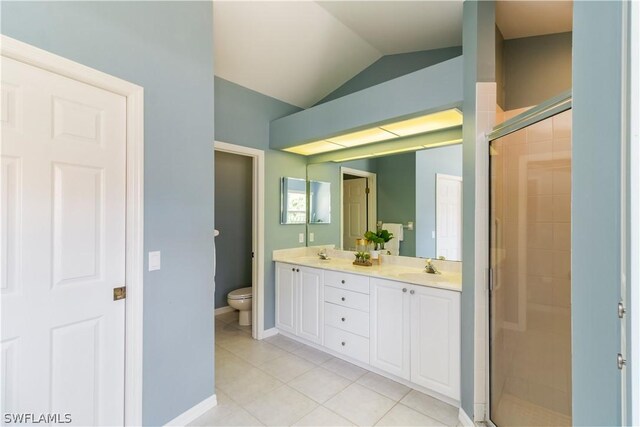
(354, 211)
(449, 217)
(63, 237)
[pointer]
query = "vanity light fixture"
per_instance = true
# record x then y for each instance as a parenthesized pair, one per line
(423, 124)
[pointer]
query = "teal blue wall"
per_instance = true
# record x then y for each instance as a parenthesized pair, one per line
(391, 66)
(478, 45)
(396, 176)
(596, 229)
(445, 160)
(233, 213)
(155, 45)
(242, 118)
(535, 69)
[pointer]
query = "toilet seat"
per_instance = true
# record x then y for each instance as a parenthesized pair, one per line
(242, 293)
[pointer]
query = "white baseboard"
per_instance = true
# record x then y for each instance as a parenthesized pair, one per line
(194, 412)
(222, 310)
(269, 333)
(464, 419)
(479, 412)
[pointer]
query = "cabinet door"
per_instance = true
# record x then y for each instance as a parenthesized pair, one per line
(435, 340)
(310, 304)
(390, 331)
(285, 297)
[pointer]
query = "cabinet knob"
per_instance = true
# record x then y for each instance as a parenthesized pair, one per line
(297, 270)
(344, 343)
(342, 281)
(343, 319)
(343, 298)
(404, 289)
(293, 269)
(412, 292)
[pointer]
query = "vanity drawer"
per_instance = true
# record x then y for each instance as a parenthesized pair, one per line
(347, 319)
(352, 282)
(346, 343)
(346, 298)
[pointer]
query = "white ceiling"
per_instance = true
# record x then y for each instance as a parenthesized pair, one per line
(518, 19)
(299, 51)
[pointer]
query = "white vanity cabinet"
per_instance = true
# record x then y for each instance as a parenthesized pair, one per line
(415, 334)
(299, 299)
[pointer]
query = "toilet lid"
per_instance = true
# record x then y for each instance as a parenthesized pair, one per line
(242, 293)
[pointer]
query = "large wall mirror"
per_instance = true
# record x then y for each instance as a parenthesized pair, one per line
(421, 187)
(293, 201)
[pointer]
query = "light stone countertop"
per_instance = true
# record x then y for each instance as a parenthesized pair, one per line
(401, 269)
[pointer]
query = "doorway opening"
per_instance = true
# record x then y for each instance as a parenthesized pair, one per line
(358, 200)
(239, 241)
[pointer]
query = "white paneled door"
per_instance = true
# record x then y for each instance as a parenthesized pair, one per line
(63, 246)
(449, 216)
(355, 211)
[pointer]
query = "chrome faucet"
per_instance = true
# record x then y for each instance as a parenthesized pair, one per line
(430, 268)
(323, 254)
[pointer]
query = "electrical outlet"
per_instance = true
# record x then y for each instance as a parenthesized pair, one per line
(301, 238)
(311, 237)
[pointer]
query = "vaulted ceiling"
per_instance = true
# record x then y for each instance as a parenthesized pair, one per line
(300, 51)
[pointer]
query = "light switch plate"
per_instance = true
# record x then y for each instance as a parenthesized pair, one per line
(301, 238)
(311, 237)
(154, 260)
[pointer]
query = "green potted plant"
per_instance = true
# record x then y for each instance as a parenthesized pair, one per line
(378, 238)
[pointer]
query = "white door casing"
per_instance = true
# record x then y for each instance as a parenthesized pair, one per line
(64, 167)
(354, 211)
(449, 216)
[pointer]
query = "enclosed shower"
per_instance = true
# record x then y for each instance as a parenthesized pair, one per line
(530, 260)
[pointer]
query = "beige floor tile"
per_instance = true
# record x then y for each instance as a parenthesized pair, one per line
(322, 417)
(253, 351)
(226, 413)
(287, 367)
(345, 369)
(401, 415)
(229, 369)
(360, 405)
(284, 343)
(312, 355)
(281, 407)
(432, 407)
(320, 384)
(246, 386)
(386, 387)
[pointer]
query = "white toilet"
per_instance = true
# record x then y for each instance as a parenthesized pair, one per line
(241, 299)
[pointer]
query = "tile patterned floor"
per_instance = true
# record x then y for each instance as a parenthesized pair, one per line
(280, 382)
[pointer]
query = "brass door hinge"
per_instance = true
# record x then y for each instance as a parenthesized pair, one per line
(367, 190)
(119, 293)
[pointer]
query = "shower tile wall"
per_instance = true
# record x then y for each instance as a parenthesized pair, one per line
(531, 253)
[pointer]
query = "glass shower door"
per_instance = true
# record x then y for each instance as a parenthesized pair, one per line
(530, 257)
